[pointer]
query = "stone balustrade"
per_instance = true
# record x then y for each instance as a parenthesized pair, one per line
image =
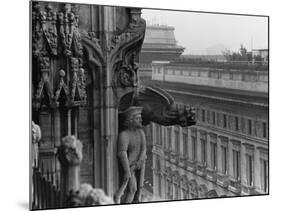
(248, 80)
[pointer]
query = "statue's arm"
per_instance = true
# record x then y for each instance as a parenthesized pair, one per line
(143, 147)
(123, 142)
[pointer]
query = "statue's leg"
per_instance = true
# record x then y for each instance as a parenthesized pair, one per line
(140, 181)
(120, 191)
(132, 188)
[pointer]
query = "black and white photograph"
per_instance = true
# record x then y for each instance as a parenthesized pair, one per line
(133, 105)
(130, 105)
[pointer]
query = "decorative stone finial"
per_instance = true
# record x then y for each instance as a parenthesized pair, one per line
(36, 133)
(70, 151)
(62, 73)
(88, 196)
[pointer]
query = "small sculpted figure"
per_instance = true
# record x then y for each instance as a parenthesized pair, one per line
(36, 137)
(132, 154)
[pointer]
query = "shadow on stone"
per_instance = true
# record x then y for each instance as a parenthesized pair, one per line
(24, 205)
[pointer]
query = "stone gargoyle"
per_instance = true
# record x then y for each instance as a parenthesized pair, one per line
(159, 107)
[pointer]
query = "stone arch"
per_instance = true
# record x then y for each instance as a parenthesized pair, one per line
(184, 181)
(168, 172)
(193, 189)
(168, 188)
(202, 191)
(176, 176)
(158, 165)
(176, 185)
(184, 187)
(212, 194)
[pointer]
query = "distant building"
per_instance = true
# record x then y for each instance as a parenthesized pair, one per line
(226, 152)
(210, 58)
(261, 54)
(159, 45)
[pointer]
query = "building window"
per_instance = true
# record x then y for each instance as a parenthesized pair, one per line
(203, 141)
(213, 155)
(236, 123)
(176, 193)
(224, 159)
(159, 185)
(184, 193)
(214, 118)
(264, 129)
(185, 141)
(194, 148)
(264, 175)
(203, 115)
(159, 134)
(250, 126)
(203, 151)
(236, 164)
(169, 138)
(249, 169)
(208, 117)
(165, 138)
(193, 144)
(170, 190)
(177, 141)
(224, 121)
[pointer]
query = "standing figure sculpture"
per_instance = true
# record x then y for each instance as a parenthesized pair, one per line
(132, 154)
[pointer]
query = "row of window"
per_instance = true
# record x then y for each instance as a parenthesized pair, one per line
(236, 123)
(223, 149)
(237, 76)
(173, 191)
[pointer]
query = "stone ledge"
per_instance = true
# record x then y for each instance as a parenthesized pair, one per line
(211, 175)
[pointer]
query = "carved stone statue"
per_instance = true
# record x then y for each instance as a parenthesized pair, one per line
(132, 154)
(36, 136)
(89, 196)
(159, 107)
(70, 157)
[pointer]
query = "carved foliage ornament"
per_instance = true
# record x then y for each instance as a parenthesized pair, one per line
(69, 33)
(74, 94)
(125, 48)
(45, 27)
(43, 93)
(58, 35)
(44, 31)
(70, 151)
(78, 92)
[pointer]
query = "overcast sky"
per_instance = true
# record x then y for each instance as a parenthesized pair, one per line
(202, 33)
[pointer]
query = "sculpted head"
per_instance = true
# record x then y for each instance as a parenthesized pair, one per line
(132, 117)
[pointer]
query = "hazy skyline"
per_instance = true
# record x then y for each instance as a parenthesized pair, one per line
(201, 33)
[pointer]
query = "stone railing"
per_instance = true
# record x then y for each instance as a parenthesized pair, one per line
(248, 80)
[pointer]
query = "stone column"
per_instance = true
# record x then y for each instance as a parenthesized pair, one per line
(208, 151)
(243, 165)
(198, 147)
(173, 144)
(230, 158)
(257, 170)
(189, 144)
(57, 123)
(154, 137)
(70, 157)
(219, 154)
(181, 140)
(69, 122)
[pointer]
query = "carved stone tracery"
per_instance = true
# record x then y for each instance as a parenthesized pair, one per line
(44, 93)
(124, 51)
(69, 33)
(54, 36)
